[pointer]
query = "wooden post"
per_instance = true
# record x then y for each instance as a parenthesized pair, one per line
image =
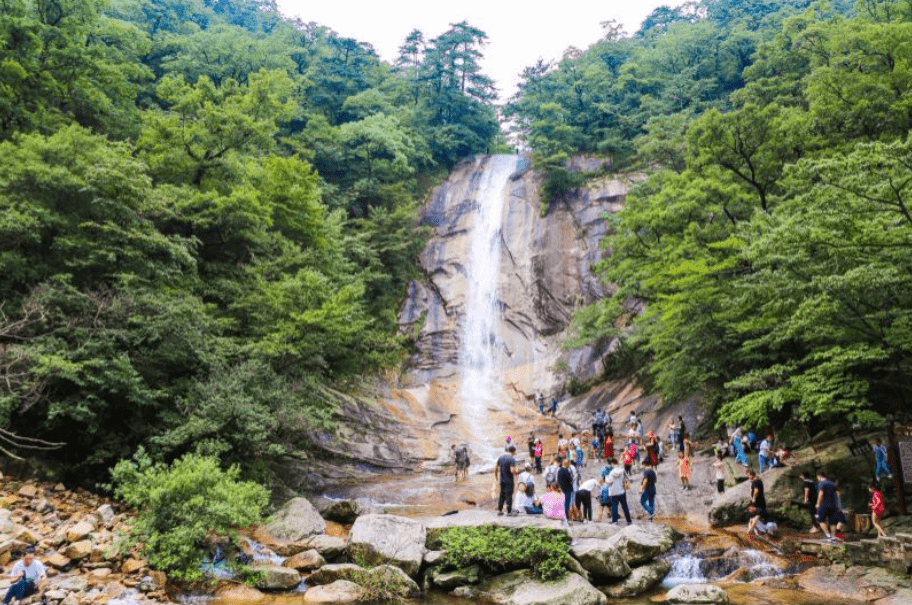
(895, 466)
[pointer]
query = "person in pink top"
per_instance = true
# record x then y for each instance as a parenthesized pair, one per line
(537, 451)
(877, 509)
(553, 503)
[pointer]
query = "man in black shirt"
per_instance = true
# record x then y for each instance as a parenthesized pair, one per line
(565, 481)
(504, 473)
(809, 487)
(757, 507)
(828, 511)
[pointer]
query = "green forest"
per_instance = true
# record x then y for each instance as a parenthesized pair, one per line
(772, 240)
(208, 212)
(207, 219)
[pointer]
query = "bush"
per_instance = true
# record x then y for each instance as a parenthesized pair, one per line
(500, 548)
(182, 505)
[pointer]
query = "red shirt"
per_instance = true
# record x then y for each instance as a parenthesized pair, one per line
(877, 503)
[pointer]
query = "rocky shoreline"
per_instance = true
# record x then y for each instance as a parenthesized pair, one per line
(77, 535)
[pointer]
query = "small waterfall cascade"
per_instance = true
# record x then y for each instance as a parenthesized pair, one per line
(759, 565)
(740, 565)
(685, 567)
(480, 391)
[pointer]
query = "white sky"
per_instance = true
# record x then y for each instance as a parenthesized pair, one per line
(518, 33)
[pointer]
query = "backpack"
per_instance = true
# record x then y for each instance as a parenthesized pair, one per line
(551, 477)
(605, 496)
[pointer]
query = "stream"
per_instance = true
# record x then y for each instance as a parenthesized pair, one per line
(749, 576)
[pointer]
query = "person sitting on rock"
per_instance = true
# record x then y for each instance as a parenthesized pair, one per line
(552, 502)
(29, 574)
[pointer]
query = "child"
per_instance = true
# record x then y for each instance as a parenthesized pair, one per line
(604, 497)
(628, 457)
(877, 509)
(719, 468)
(684, 470)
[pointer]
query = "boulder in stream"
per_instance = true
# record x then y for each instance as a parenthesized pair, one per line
(398, 541)
(340, 591)
(641, 580)
(276, 577)
(521, 588)
(697, 594)
(297, 520)
(602, 561)
(643, 542)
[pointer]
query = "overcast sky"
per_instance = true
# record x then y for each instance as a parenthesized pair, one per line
(518, 32)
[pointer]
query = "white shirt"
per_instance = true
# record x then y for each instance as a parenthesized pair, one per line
(616, 481)
(33, 572)
(765, 448)
(525, 477)
(589, 485)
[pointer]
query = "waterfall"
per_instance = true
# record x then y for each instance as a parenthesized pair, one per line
(480, 390)
(685, 569)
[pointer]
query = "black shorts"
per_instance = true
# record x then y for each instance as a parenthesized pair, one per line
(830, 514)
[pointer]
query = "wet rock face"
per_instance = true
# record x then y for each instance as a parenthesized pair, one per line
(545, 273)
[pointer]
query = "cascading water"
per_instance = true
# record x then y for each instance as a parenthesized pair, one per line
(480, 392)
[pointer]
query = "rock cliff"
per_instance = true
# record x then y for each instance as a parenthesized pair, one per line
(546, 273)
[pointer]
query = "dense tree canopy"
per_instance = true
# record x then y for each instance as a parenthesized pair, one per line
(770, 241)
(207, 217)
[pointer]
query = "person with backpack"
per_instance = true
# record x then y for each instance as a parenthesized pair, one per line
(551, 472)
(565, 481)
(617, 479)
(604, 497)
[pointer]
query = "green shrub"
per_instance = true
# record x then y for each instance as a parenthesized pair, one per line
(498, 548)
(182, 505)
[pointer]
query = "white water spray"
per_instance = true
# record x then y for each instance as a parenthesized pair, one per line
(480, 391)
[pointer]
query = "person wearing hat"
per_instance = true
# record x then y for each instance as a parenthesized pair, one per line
(28, 572)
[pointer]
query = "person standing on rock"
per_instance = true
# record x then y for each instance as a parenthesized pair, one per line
(882, 467)
(584, 498)
(877, 509)
(809, 487)
(684, 470)
(609, 443)
(828, 513)
(648, 489)
(764, 456)
(537, 452)
(531, 444)
(738, 445)
(505, 475)
(565, 482)
(617, 478)
(29, 574)
(757, 507)
(719, 468)
(682, 429)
